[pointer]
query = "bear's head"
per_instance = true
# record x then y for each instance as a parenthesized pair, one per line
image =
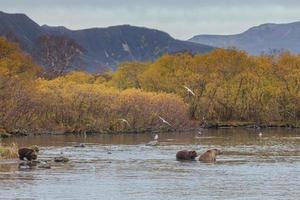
(35, 148)
(215, 151)
(193, 154)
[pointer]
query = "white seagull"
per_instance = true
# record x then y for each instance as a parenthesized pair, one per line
(125, 121)
(153, 142)
(260, 134)
(164, 121)
(189, 90)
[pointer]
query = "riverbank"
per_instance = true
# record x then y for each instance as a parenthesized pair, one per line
(239, 124)
(207, 125)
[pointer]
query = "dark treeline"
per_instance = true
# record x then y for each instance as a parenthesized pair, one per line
(229, 85)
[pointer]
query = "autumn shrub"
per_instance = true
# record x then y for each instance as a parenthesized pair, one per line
(8, 152)
(67, 105)
(228, 84)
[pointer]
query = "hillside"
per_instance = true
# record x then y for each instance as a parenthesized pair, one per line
(91, 49)
(265, 38)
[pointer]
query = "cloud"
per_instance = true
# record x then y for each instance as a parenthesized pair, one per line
(182, 19)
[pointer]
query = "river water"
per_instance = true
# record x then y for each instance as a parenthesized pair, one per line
(123, 167)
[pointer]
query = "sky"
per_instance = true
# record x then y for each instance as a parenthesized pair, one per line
(182, 19)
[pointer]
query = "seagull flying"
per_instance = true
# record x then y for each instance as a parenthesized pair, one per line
(189, 90)
(164, 121)
(125, 121)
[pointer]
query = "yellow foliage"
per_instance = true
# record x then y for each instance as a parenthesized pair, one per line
(127, 75)
(64, 104)
(14, 63)
(8, 152)
(229, 85)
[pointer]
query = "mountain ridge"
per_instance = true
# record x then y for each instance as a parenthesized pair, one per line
(264, 38)
(100, 48)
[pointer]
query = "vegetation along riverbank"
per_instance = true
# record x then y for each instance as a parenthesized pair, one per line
(8, 152)
(175, 92)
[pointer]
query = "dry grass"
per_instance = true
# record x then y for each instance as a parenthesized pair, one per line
(8, 152)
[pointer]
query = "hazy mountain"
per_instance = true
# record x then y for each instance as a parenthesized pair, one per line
(99, 47)
(265, 38)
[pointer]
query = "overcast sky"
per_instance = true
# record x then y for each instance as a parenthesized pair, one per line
(180, 18)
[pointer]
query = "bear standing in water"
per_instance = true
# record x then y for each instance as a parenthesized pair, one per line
(210, 155)
(27, 153)
(186, 155)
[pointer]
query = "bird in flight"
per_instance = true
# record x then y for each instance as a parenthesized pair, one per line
(189, 90)
(164, 121)
(156, 137)
(125, 121)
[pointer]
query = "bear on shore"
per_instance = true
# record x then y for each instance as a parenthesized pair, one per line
(210, 155)
(186, 155)
(28, 153)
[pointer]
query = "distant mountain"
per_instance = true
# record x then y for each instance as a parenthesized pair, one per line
(113, 45)
(265, 38)
(20, 28)
(97, 48)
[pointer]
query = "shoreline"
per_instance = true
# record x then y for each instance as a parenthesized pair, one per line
(207, 125)
(251, 125)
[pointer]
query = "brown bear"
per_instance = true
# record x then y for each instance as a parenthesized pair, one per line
(186, 155)
(27, 153)
(210, 155)
(35, 148)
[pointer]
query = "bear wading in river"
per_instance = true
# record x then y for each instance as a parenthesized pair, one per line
(186, 155)
(28, 153)
(210, 155)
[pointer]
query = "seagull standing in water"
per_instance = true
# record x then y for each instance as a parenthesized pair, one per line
(200, 132)
(164, 121)
(259, 129)
(189, 90)
(153, 142)
(125, 121)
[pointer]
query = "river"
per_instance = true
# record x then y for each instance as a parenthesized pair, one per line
(123, 167)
